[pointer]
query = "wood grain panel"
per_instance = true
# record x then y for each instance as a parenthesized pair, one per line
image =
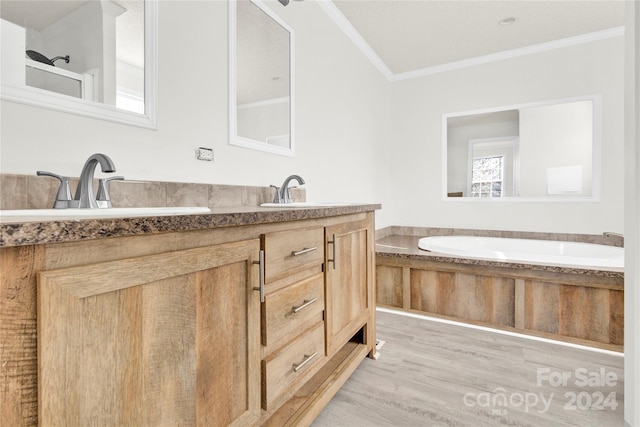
(584, 313)
(462, 295)
(424, 290)
(616, 311)
(519, 304)
(503, 300)
(347, 292)
(572, 307)
(541, 306)
(180, 350)
(129, 352)
(389, 286)
(349, 284)
(465, 299)
(18, 350)
(72, 254)
(279, 248)
(223, 381)
(279, 380)
(169, 350)
(280, 322)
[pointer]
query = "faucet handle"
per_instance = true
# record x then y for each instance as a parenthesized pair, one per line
(103, 198)
(276, 197)
(63, 197)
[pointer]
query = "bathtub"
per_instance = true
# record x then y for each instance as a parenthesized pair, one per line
(553, 252)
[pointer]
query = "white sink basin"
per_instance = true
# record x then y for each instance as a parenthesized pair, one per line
(304, 204)
(37, 214)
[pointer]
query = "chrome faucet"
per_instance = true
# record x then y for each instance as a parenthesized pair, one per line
(84, 197)
(282, 193)
(84, 192)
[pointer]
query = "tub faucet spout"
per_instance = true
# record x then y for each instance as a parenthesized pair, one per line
(609, 234)
(84, 197)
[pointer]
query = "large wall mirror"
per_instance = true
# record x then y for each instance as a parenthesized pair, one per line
(532, 152)
(261, 79)
(95, 58)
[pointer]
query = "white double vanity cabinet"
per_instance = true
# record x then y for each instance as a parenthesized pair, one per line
(162, 322)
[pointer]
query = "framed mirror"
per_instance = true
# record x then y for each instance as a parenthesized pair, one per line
(545, 151)
(94, 58)
(261, 95)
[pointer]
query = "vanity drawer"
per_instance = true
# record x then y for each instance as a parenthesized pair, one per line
(292, 309)
(288, 252)
(287, 369)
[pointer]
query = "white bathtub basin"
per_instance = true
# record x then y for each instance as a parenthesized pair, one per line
(305, 205)
(527, 250)
(43, 214)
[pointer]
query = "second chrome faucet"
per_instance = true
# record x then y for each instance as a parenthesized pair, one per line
(282, 194)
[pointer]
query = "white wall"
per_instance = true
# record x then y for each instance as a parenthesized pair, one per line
(554, 136)
(342, 111)
(13, 47)
(417, 109)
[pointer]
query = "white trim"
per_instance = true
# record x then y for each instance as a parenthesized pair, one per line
(24, 94)
(343, 23)
(53, 70)
(234, 138)
(513, 53)
(151, 61)
(596, 154)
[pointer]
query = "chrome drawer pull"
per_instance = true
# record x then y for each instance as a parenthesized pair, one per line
(307, 359)
(333, 242)
(304, 251)
(261, 264)
(306, 304)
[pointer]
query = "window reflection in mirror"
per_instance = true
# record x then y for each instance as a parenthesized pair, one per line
(261, 78)
(536, 151)
(94, 52)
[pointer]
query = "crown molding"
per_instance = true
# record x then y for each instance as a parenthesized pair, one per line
(512, 53)
(343, 23)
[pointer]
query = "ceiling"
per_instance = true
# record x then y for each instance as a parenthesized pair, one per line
(404, 35)
(418, 34)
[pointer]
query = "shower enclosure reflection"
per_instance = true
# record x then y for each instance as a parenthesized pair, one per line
(533, 151)
(96, 53)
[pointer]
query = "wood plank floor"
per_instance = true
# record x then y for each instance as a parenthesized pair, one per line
(436, 374)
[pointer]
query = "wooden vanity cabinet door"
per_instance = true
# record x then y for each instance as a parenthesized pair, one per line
(348, 294)
(166, 339)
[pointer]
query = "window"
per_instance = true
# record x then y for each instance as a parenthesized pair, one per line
(486, 176)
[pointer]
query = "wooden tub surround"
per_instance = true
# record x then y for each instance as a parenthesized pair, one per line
(570, 304)
(240, 317)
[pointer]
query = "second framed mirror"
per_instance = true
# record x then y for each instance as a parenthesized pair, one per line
(261, 94)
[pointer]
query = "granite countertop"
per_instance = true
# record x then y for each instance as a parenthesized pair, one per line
(406, 246)
(66, 229)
